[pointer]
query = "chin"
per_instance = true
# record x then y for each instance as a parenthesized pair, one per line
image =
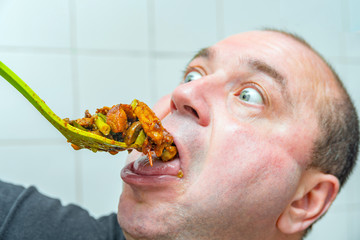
(141, 218)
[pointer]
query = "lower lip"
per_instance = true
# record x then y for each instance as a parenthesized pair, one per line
(132, 177)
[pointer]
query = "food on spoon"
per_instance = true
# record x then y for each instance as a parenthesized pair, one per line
(134, 123)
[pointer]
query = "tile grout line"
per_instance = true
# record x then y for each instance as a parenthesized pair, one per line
(128, 53)
(75, 93)
(348, 60)
(33, 49)
(345, 27)
(220, 29)
(94, 52)
(31, 142)
(345, 59)
(151, 48)
(151, 25)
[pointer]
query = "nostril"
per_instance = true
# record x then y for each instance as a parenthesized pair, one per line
(172, 105)
(191, 110)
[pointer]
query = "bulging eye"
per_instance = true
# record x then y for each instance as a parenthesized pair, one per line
(191, 76)
(251, 95)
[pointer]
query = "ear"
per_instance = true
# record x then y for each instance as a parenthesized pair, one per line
(162, 107)
(312, 199)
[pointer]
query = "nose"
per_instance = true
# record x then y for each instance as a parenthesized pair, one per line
(190, 99)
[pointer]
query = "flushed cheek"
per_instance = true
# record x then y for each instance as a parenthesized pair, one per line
(298, 142)
(249, 172)
(251, 162)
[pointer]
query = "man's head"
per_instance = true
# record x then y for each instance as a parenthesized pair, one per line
(248, 124)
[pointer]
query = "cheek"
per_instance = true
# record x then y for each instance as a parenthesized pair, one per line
(249, 168)
(297, 141)
(249, 158)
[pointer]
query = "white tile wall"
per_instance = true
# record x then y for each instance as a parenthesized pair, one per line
(353, 44)
(353, 220)
(109, 80)
(184, 25)
(321, 15)
(50, 77)
(353, 15)
(101, 180)
(252, 15)
(35, 23)
(86, 52)
(333, 226)
(169, 73)
(112, 24)
(308, 18)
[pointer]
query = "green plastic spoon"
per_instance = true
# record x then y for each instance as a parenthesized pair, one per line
(80, 138)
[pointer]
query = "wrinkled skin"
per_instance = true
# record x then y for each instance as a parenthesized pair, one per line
(242, 162)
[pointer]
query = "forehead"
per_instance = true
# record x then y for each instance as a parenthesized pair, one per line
(286, 55)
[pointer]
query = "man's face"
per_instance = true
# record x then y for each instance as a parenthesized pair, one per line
(244, 126)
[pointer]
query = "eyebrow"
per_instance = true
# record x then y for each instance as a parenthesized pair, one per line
(263, 67)
(203, 53)
(260, 66)
(256, 64)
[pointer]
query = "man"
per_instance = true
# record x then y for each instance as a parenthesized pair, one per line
(254, 122)
(266, 136)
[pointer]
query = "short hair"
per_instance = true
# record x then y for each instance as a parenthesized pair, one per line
(336, 148)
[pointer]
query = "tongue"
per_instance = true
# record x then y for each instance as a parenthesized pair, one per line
(142, 167)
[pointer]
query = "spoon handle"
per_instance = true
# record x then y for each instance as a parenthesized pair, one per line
(77, 136)
(30, 95)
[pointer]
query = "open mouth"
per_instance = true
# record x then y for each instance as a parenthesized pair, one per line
(138, 128)
(140, 173)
